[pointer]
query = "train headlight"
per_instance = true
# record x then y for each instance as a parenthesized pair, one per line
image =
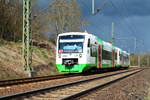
(80, 55)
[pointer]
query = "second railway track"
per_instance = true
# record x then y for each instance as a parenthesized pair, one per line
(70, 90)
(35, 79)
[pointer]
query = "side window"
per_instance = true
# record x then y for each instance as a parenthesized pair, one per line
(93, 51)
(120, 56)
(106, 55)
(115, 55)
(88, 42)
(127, 58)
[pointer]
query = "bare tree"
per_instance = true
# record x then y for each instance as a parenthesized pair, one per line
(10, 20)
(62, 16)
(65, 16)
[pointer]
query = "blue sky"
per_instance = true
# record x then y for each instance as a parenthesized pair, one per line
(131, 18)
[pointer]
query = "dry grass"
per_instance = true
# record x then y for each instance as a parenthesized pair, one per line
(11, 62)
(148, 96)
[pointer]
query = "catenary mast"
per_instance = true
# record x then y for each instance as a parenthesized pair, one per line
(27, 37)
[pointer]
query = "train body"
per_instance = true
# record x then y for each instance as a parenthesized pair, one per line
(80, 51)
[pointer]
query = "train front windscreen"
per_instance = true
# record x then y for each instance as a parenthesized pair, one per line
(71, 44)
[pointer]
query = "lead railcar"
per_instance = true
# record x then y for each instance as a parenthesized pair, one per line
(80, 51)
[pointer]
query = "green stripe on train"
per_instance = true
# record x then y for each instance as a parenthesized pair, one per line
(118, 65)
(106, 65)
(80, 67)
(74, 68)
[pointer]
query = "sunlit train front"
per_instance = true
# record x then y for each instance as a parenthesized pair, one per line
(71, 52)
(80, 51)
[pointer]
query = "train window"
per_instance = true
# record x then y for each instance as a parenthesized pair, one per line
(71, 47)
(115, 55)
(127, 57)
(120, 56)
(93, 51)
(88, 42)
(106, 55)
(72, 37)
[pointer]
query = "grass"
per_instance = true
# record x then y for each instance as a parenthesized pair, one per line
(44, 54)
(148, 97)
(11, 63)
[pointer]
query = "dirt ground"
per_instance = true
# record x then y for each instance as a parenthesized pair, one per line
(135, 87)
(11, 61)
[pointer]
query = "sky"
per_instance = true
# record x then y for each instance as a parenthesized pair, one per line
(131, 19)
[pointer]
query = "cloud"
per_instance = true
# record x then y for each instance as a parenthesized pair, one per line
(124, 8)
(131, 17)
(128, 8)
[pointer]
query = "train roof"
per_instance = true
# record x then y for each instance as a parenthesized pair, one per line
(106, 45)
(73, 33)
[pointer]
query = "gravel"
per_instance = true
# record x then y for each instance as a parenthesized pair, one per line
(32, 86)
(136, 87)
(58, 94)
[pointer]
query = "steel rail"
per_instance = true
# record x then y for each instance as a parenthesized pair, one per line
(35, 79)
(77, 95)
(59, 86)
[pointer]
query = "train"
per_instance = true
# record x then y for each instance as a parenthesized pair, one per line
(78, 52)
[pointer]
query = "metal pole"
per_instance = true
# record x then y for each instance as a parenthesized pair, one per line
(135, 45)
(147, 61)
(113, 34)
(139, 60)
(135, 41)
(27, 37)
(93, 7)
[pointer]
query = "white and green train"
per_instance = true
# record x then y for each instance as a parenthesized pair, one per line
(80, 51)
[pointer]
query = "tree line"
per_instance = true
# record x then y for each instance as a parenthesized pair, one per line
(60, 16)
(10, 20)
(140, 59)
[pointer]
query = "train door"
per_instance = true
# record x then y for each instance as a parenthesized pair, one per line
(113, 58)
(99, 60)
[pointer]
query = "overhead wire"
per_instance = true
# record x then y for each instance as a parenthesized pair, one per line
(121, 15)
(132, 31)
(132, 25)
(126, 9)
(96, 26)
(103, 7)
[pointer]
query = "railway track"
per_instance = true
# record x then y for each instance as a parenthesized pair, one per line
(35, 79)
(69, 91)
